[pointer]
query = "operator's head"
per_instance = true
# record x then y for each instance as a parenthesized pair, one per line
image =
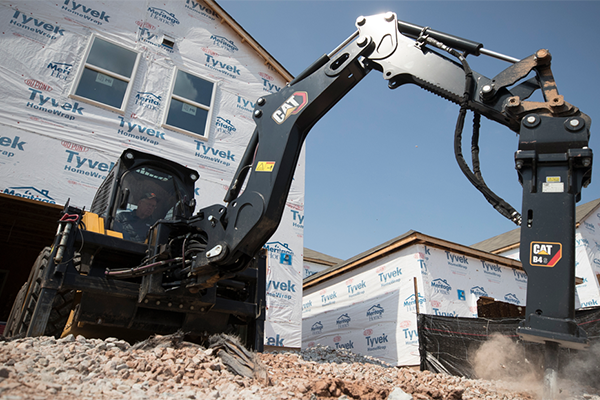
(146, 205)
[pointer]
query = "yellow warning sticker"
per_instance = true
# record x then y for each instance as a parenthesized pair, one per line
(553, 179)
(265, 166)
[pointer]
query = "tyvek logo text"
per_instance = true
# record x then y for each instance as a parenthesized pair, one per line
(95, 16)
(36, 25)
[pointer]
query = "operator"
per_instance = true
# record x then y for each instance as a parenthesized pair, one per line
(135, 224)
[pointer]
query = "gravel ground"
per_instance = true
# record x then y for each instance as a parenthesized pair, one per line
(76, 367)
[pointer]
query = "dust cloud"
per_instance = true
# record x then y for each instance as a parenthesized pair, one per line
(521, 369)
(583, 368)
(502, 359)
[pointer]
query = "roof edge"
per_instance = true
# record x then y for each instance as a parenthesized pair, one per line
(246, 37)
(394, 245)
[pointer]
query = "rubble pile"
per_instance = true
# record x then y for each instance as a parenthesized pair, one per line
(169, 368)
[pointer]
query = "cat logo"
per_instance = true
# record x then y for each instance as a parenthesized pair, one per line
(545, 254)
(293, 105)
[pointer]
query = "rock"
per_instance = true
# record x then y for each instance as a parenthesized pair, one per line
(399, 394)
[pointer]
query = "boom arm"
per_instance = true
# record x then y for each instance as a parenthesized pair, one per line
(555, 141)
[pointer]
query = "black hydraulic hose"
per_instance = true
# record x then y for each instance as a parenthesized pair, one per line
(475, 147)
(497, 202)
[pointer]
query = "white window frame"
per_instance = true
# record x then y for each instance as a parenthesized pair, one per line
(193, 103)
(129, 80)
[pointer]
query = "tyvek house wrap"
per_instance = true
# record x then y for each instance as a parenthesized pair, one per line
(54, 147)
(372, 310)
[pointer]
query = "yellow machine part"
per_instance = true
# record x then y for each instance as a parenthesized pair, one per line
(95, 223)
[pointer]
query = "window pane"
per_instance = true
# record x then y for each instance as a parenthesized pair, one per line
(101, 88)
(193, 88)
(112, 57)
(187, 117)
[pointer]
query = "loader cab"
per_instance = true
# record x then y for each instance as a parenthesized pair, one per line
(142, 189)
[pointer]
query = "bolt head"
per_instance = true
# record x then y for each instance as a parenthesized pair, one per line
(389, 16)
(360, 21)
(362, 41)
(531, 119)
(574, 123)
(258, 113)
(261, 101)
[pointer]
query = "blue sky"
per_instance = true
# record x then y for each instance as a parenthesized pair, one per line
(381, 162)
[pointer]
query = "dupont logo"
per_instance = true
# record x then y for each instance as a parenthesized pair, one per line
(163, 16)
(31, 193)
(545, 254)
(208, 51)
(76, 147)
(405, 324)
(143, 24)
(38, 85)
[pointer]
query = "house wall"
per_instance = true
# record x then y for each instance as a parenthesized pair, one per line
(54, 147)
(369, 310)
(311, 268)
(372, 310)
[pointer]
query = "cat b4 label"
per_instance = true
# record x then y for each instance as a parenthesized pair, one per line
(545, 254)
